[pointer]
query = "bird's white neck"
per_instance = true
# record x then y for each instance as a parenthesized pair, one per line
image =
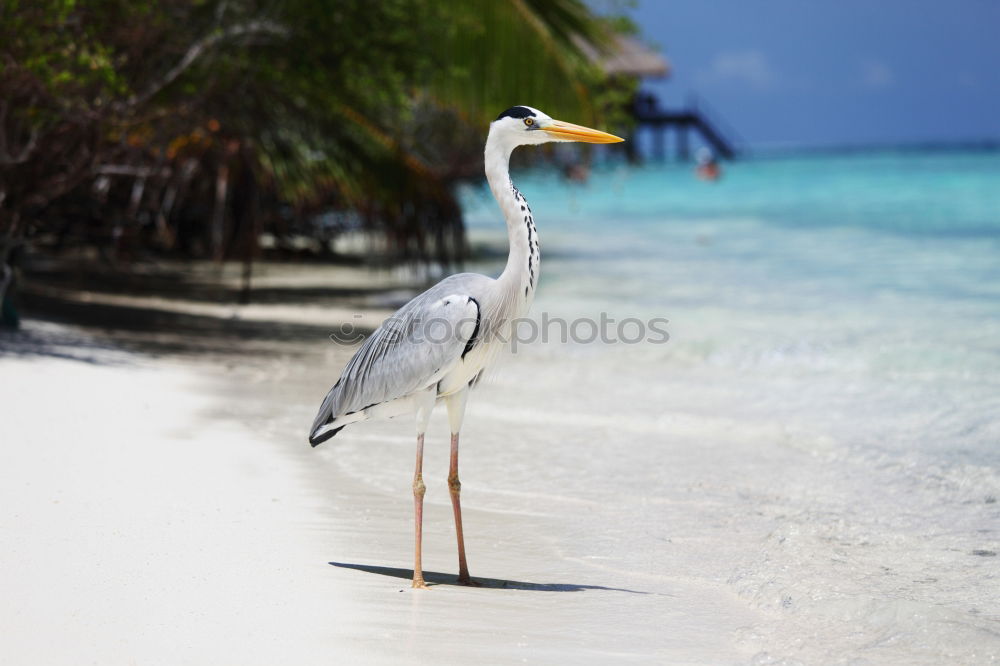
(520, 276)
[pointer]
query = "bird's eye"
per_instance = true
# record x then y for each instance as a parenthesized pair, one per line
(529, 121)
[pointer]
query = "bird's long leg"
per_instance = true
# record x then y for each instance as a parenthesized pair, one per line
(456, 412)
(418, 510)
(455, 488)
(424, 404)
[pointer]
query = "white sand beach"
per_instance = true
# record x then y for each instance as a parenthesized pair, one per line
(165, 511)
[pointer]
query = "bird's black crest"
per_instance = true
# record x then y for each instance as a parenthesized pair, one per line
(517, 112)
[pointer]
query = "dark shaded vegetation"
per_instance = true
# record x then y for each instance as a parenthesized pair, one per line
(197, 128)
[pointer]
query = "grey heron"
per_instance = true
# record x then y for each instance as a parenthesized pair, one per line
(435, 348)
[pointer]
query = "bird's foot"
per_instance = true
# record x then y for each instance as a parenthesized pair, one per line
(419, 584)
(468, 582)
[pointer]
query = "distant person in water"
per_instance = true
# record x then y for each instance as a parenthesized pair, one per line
(708, 167)
(577, 172)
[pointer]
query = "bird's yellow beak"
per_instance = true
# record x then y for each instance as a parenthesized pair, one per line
(571, 132)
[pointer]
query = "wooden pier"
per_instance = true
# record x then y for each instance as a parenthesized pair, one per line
(630, 59)
(647, 113)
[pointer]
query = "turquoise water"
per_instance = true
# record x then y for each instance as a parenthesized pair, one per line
(912, 193)
(881, 267)
(835, 343)
(906, 243)
(844, 230)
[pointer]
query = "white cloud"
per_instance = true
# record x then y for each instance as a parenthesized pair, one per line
(750, 68)
(876, 74)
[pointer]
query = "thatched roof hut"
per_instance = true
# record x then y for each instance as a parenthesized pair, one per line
(630, 57)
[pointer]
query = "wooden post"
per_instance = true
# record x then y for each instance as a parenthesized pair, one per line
(631, 152)
(683, 148)
(218, 227)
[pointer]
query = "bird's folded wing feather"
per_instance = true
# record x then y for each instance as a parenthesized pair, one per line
(411, 350)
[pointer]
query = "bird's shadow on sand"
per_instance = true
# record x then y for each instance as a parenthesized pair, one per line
(437, 578)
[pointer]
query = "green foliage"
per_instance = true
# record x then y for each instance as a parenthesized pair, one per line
(493, 55)
(331, 103)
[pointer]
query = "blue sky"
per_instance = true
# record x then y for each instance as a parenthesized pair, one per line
(805, 72)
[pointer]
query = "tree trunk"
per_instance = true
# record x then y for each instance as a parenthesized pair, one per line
(218, 228)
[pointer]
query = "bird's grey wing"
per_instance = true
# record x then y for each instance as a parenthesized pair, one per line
(409, 351)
